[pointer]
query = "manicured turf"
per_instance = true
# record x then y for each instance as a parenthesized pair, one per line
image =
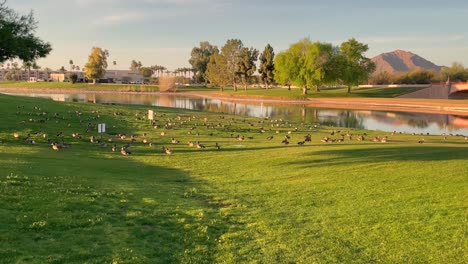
(254, 200)
(274, 92)
(326, 92)
(84, 86)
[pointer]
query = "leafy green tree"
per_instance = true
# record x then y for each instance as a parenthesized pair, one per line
(17, 38)
(316, 63)
(285, 68)
(146, 72)
(199, 59)
(456, 72)
(357, 67)
(297, 53)
(96, 66)
(246, 66)
(217, 73)
(267, 66)
(231, 51)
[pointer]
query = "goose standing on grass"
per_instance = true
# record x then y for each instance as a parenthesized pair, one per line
(217, 146)
(421, 141)
(124, 151)
(55, 146)
(114, 148)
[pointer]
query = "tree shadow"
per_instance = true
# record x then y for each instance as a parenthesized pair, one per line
(384, 153)
(102, 209)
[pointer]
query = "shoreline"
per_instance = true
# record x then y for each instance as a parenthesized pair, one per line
(438, 106)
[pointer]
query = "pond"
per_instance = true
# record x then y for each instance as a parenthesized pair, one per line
(406, 122)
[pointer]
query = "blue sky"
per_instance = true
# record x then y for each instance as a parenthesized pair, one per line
(163, 32)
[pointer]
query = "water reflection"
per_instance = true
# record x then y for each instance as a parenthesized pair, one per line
(374, 120)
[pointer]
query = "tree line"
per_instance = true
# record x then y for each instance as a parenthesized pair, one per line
(455, 73)
(304, 64)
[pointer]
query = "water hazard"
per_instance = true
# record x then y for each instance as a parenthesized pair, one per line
(406, 122)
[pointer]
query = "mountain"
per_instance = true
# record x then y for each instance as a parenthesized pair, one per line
(402, 61)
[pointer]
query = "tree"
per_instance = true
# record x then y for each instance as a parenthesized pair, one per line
(267, 66)
(246, 65)
(356, 67)
(285, 68)
(135, 66)
(217, 71)
(17, 36)
(232, 54)
(456, 72)
(199, 59)
(27, 65)
(146, 72)
(62, 69)
(96, 66)
(316, 67)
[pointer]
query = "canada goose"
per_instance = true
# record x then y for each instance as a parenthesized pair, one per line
(421, 141)
(16, 135)
(217, 147)
(270, 138)
(285, 141)
(114, 148)
(145, 141)
(301, 143)
(325, 139)
(376, 139)
(332, 133)
(124, 151)
(307, 138)
(384, 139)
(92, 139)
(200, 146)
(55, 146)
(360, 138)
(163, 133)
(190, 144)
(168, 151)
(174, 141)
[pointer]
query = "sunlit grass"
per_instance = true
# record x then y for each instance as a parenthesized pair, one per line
(81, 86)
(325, 92)
(255, 200)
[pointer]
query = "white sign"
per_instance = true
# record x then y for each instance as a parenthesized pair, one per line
(150, 114)
(101, 128)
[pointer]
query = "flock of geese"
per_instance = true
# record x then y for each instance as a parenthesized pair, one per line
(335, 136)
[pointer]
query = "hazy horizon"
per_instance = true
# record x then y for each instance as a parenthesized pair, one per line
(163, 32)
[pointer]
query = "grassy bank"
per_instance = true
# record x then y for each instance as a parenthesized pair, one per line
(274, 92)
(254, 200)
(81, 86)
(326, 92)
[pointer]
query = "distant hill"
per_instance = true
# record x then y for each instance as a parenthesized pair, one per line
(402, 61)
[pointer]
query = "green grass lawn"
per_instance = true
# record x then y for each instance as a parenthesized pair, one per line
(325, 92)
(84, 86)
(255, 200)
(274, 92)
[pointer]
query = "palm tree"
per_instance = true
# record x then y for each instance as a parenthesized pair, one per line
(27, 67)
